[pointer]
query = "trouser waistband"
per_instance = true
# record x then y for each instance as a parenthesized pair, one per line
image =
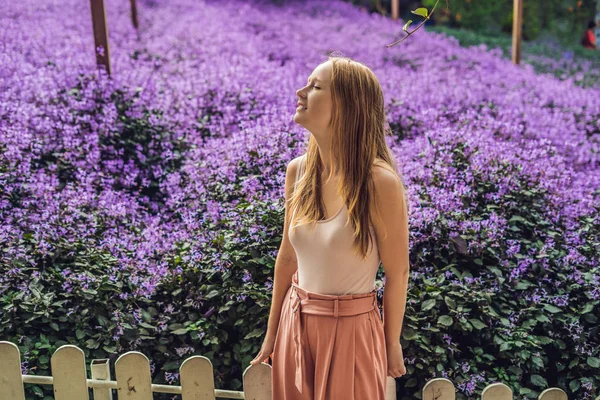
(303, 301)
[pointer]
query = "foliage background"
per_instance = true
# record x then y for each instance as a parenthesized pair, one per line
(144, 212)
(564, 19)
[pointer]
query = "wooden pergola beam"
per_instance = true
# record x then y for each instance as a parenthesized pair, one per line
(517, 32)
(100, 34)
(395, 9)
(134, 16)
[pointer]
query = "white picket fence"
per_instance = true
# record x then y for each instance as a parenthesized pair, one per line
(133, 380)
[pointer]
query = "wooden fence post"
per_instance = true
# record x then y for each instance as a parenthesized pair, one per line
(69, 377)
(100, 34)
(395, 9)
(11, 384)
(517, 31)
(134, 17)
(438, 389)
(100, 369)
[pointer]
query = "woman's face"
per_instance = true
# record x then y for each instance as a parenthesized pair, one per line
(316, 97)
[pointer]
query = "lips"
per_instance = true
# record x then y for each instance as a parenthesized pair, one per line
(301, 105)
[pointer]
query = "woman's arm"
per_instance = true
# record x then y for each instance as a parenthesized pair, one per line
(286, 263)
(393, 250)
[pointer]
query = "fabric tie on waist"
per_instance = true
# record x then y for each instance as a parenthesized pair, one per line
(334, 306)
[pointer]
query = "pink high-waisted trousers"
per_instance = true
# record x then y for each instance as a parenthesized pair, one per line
(329, 347)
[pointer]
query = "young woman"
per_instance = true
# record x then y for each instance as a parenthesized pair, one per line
(325, 334)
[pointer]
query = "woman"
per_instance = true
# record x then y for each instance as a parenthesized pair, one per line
(589, 37)
(325, 334)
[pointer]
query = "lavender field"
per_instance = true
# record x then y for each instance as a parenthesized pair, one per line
(144, 211)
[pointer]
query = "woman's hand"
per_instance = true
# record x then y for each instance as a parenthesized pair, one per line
(395, 360)
(265, 351)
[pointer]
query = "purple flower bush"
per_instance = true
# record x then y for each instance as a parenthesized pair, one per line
(143, 211)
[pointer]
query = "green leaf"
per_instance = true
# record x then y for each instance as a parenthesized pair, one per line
(146, 316)
(450, 302)
(591, 318)
(477, 324)
(180, 331)
(495, 270)
(110, 349)
(515, 370)
(544, 340)
(542, 318)
(588, 308)
(405, 27)
(552, 309)
(145, 325)
(412, 382)
(258, 332)
(593, 362)
(573, 362)
(538, 361)
(224, 308)
(422, 11)
(525, 391)
(574, 385)
(445, 320)
(427, 304)
(517, 218)
(539, 381)
(522, 285)
(409, 333)
(170, 365)
(79, 334)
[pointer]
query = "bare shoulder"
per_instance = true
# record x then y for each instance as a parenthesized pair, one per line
(293, 166)
(290, 175)
(388, 193)
(384, 178)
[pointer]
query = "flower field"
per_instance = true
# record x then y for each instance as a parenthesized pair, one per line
(145, 210)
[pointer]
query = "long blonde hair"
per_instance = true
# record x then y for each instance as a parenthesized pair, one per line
(359, 126)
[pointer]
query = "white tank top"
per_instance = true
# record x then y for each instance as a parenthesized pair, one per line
(326, 260)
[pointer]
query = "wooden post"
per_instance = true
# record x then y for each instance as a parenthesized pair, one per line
(517, 32)
(395, 9)
(100, 34)
(134, 18)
